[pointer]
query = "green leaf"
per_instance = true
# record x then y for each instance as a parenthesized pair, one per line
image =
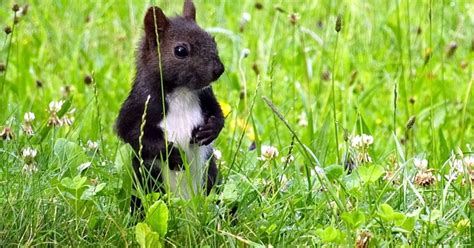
(157, 218)
(385, 212)
(408, 224)
(354, 219)
(123, 158)
(145, 237)
(92, 191)
(230, 193)
(123, 165)
(76, 183)
(329, 234)
(153, 240)
(334, 171)
(435, 215)
(70, 153)
(370, 173)
(398, 218)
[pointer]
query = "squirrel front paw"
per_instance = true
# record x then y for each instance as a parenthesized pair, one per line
(207, 132)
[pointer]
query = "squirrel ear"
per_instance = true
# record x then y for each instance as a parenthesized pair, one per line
(189, 11)
(155, 22)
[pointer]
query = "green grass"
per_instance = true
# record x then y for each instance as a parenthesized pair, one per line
(389, 62)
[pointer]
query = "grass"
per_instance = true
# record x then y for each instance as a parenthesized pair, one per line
(309, 92)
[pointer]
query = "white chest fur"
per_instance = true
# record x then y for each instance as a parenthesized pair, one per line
(183, 115)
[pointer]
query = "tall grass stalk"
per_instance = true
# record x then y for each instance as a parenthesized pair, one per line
(333, 93)
(10, 42)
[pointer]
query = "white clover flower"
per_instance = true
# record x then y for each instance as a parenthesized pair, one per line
(268, 153)
(29, 169)
(29, 153)
(302, 120)
(84, 166)
(245, 17)
(356, 141)
(217, 154)
(92, 145)
(367, 139)
(469, 161)
(29, 117)
(420, 164)
(54, 106)
(288, 159)
(245, 53)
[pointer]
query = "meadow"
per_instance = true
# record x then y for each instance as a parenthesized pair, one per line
(348, 123)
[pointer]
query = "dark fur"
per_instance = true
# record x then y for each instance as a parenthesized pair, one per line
(196, 71)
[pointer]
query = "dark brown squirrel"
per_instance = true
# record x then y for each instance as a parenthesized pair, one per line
(189, 117)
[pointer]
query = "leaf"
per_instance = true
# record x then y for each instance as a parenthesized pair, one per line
(334, 171)
(321, 145)
(157, 218)
(92, 191)
(370, 173)
(123, 165)
(409, 224)
(123, 158)
(70, 153)
(145, 237)
(329, 234)
(153, 240)
(353, 183)
(435, 215)
(354, 219)
(385, 212)
(75, 183)
(229, 194)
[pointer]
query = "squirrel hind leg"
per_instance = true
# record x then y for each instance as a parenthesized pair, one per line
(212, 175)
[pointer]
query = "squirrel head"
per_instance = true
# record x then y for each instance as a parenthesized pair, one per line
(189, 55)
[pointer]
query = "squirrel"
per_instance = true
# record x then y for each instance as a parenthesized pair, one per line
(176, 63)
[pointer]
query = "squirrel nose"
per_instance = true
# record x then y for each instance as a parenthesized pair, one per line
(218, 70)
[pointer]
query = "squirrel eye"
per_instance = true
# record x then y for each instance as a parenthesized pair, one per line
(181, 51)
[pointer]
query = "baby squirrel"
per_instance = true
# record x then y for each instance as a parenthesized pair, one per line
(189, 117)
